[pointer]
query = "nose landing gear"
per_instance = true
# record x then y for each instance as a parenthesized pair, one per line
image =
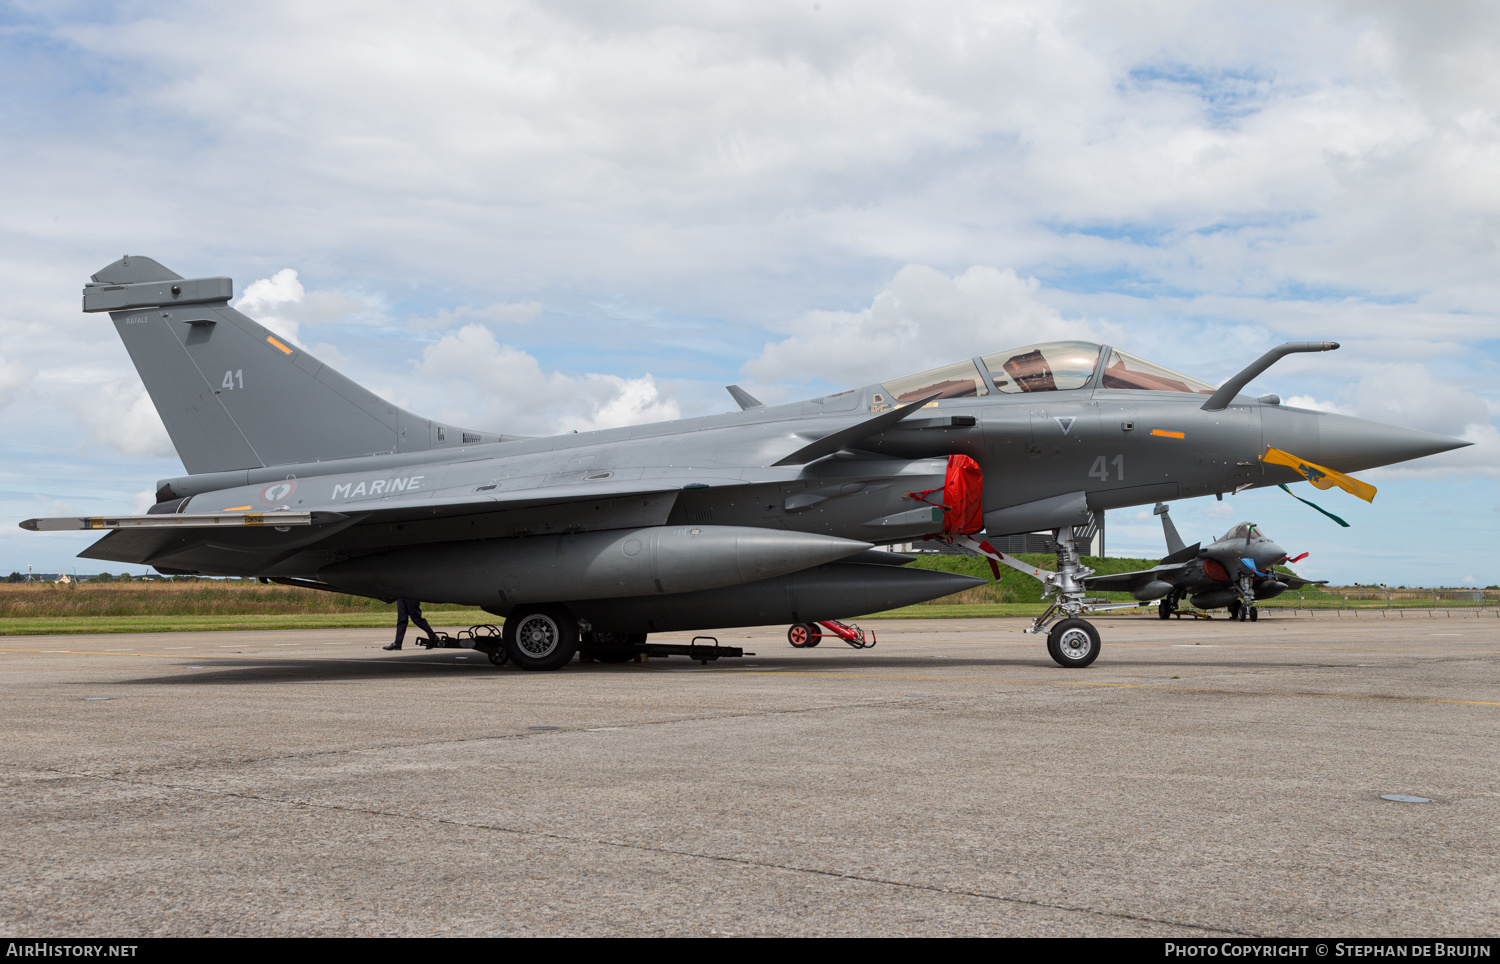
(1073, 642)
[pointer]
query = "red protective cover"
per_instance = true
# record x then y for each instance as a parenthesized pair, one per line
(963, 494)
(1215, 571)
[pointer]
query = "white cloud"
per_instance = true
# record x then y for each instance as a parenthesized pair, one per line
(1219, 510)
(506, 314)
(1316, 405)
(283, 304)
(120, 414)
(505, 390)
(920, 319)
(13, 378)
(266, 301)
(1411, 396)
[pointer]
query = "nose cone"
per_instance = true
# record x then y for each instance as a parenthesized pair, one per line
(1350, 444)
(1268, 554)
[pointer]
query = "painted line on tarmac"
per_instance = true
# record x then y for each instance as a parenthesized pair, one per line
(1159, 687)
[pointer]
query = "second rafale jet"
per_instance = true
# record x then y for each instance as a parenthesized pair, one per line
(767, 515)
(1233, 572)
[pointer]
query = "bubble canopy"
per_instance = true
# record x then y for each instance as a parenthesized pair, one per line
(1248, 531)
(1057, 366)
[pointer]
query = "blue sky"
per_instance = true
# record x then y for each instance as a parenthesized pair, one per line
(539, 217)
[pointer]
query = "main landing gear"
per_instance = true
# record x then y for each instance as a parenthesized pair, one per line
(540, 637)
(547, 636)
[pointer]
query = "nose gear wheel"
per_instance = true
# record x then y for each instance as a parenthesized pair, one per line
(1073, 643)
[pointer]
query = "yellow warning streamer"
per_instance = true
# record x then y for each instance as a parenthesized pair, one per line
(1320, 476)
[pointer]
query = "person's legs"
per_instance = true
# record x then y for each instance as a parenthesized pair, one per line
(400, 624)
(422, 624)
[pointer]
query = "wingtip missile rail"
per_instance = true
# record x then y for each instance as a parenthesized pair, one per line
(215, 520)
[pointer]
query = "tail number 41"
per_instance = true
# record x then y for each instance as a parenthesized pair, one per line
(1100, 469)
(229, 379)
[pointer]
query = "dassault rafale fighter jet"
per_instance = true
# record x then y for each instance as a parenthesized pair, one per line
(1234, 572)
(766, 515)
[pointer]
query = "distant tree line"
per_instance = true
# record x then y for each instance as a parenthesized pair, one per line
(122, 577)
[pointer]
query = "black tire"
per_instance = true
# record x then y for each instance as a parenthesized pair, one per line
(1254, 613)
(1234, 609)
(1164, 610)
(1073, 643)
(541, 637)
(804, 635)
(498, 655)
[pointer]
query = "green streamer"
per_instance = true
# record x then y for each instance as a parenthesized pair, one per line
(1318, 507)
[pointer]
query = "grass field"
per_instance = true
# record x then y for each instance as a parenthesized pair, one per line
(168, 606)
(137, 607)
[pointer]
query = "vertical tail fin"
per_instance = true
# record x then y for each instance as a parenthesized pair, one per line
(233, 395)
(1174, 541)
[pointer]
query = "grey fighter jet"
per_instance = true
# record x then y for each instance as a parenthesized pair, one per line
(1233, 572)
(766, 515)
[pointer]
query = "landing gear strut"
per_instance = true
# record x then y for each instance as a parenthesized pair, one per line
(1246, 605)
(1073, 642)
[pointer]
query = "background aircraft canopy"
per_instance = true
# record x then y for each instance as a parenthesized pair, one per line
(1248, 531)
(1130, 372)
(1057, 366)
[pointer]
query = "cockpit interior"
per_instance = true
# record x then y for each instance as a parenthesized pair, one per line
(1058, 366)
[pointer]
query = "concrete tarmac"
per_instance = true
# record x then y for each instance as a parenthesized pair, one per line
(1201, 779)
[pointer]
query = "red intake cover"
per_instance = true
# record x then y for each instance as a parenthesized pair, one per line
(1215, 571)
(963, 495)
